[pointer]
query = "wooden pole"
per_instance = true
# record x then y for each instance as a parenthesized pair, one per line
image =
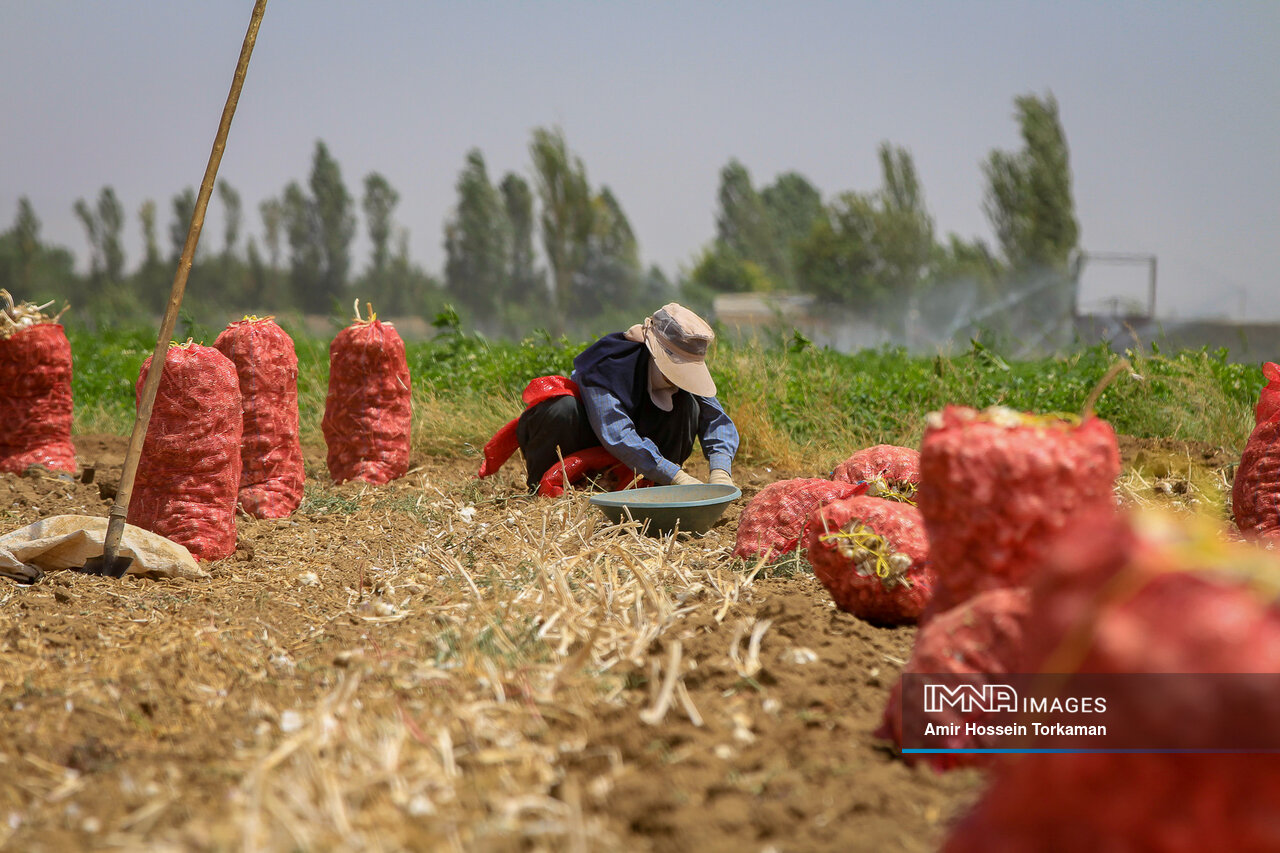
(120, 510)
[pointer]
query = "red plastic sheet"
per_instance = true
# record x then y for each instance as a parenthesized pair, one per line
(576, 467)
(573, 469)
(500, 448)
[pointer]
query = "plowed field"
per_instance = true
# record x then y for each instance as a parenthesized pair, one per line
(445, 662)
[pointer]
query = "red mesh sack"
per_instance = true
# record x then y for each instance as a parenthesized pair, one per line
(35, 398)
(996, 486)
(873, 557)
(1165, 595)
(774, 520)
(981, 635)
(1255, 492)
(890, 471)
(271, 474)
(1269, 399)
(1155, 592)
(368, 413)
(1156, 803)
(189, 470)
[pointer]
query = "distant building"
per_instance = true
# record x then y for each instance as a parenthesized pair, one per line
(765, 315)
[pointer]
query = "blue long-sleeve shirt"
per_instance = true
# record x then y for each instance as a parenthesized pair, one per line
(605, 373)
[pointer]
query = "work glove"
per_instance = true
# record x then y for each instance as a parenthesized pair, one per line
(720, 477)
(683, 479)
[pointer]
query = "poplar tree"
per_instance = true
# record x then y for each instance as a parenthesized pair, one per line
(319, 227)
(527, 283)
(232, 216)
(379, 204)
(335, 228)
(477, 243)
(611, 274)
(1029, 200)
(566, 217)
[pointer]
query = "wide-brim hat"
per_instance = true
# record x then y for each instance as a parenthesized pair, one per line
(678, 339)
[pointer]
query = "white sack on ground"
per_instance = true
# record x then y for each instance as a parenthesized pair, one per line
(67, 541)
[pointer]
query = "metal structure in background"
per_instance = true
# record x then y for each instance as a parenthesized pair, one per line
(110, 563)
(1084, 258)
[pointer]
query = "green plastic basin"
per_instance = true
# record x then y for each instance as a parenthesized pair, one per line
(660, 509)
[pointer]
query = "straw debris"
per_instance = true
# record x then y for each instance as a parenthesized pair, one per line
(432, 664)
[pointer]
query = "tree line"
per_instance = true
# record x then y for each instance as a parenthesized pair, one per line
(556, 252)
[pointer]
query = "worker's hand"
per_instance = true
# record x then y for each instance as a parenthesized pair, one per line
(720, 477)
(683, 479)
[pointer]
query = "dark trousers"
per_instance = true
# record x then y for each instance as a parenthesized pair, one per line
(562, 423)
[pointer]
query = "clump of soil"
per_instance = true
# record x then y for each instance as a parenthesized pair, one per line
(785, 757)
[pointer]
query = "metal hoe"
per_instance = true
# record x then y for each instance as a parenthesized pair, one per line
(111, 563)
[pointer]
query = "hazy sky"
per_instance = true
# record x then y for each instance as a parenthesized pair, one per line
(1171, 110)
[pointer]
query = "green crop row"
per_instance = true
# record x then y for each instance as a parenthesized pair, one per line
(793, 403)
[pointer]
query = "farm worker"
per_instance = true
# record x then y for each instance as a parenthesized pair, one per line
(646, 394)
